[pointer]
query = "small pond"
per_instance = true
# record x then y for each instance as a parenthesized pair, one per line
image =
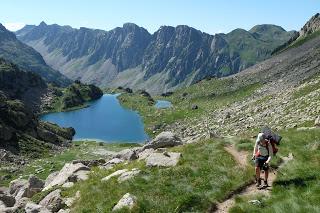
(162, 104)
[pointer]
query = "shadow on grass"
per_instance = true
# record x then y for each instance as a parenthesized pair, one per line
(297, 182)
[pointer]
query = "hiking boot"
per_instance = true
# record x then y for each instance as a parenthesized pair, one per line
(265, 184)
(258, 182)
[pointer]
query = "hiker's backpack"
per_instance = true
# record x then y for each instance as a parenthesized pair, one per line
(273, 138)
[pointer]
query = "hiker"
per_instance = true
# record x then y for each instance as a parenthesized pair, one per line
(262, 154)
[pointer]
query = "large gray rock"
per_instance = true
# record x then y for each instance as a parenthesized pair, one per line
(4, 190)
(26, 188)
(69, 201)
(79, 176)
(2, 206)
(53, 201)
(128, 175)
(65, 173)
(127, 154)
(7, 200)
(35, 208)
(163, 159)
(127, 201)
(116, 173)
(35, 183)
(317, 122)
(64, 211)
(50, 178)
(164, 139)
(16, 185)
(145, 153)
(111, 163)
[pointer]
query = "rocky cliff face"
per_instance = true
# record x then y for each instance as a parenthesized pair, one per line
(20, 130)
(311, 26)
(129, 56)
(27, 58)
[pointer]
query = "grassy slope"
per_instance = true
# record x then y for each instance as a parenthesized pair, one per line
(49, 162)
(208, 95)
(297, 187)
(200, 179)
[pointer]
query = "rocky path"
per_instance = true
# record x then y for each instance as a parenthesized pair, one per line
(250, 189)
(240, 157)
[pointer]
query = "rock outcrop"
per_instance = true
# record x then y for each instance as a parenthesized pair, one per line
(53, 201)
(164, 139)
(69, 173)
(311, 26)
(21, 132)
(127, 201)
(20, 188)
(166, 159)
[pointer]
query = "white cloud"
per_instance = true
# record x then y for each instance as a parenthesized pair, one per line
(14, 26)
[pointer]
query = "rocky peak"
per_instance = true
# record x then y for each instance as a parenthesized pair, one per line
(43, 24)
(6, 34)
(311, 26)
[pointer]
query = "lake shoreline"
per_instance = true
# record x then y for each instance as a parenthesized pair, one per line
(102, 120)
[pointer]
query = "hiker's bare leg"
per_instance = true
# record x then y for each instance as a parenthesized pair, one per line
(257, 172)
(266, 175)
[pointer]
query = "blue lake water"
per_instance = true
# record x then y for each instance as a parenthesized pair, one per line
(105, 120)
(161, 104)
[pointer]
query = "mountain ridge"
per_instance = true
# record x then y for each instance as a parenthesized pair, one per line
(130, 56)
(27, 58)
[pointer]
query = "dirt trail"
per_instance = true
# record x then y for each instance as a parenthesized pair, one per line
(239, 156)
(250, 189)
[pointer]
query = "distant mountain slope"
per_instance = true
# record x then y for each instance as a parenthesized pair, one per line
(130, 56)
(309, 31)
(27, 58)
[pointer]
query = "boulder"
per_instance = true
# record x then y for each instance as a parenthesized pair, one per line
(317, 122)
(7, 200)
(166, 159)
(127, 154)
(34, 208)
(194, 107)
(21, 204)
(26, 188)
(50, 178)
(145, 153)
(16, 185)
(64, 211)
(68, 185)
(116, 173)
(4, 190)
(128, 175)
(35, 183)
(111, 163)
(2, 206)
(65, 173)
(127, 201)
(79, 176)
(70, 200)
(53, 201)
(164, 139)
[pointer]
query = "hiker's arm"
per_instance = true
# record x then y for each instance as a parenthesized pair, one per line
(270, 153)
(255, 149)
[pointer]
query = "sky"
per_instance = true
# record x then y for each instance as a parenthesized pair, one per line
(211, 16)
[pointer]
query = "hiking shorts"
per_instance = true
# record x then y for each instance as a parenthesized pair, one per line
(259, 161)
